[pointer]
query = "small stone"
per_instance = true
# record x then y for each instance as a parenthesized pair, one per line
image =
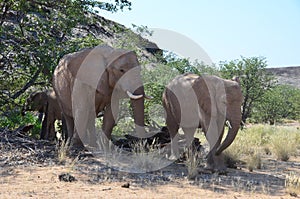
(66, 177)
(126, 185)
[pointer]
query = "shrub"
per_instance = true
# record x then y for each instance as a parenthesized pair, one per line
(292, 184)
(15, 120)
(280, 102)
(253, 142)
(284, 144)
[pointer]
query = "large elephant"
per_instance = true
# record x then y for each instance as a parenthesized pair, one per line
(93, 80)
(44, 102)
(206, 102)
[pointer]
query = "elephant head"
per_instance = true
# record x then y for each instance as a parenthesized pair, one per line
(93, 80)
(36, 102)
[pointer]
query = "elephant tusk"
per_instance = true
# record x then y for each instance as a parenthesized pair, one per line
(132, 96)
(228, 124)
(148, 97)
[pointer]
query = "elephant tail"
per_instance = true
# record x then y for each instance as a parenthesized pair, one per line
(233, 128)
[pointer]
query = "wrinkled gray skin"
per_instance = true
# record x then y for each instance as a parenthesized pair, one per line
(84, 82)
(44, 102)
(206, 102)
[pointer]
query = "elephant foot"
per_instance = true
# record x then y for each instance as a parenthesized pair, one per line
(223, 172)
(76, 143)
(216, 163)
(208, 169)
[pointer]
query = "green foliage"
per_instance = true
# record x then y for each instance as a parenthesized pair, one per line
(142, 30)
(34, 35)
(133, 40)
(155, 80)
(15, 120)
(185, 66)
(280, 102)
(255, 81)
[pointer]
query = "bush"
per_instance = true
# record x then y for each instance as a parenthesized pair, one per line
(284, 144)
(15, 120)
(280, 102)
(253, 142)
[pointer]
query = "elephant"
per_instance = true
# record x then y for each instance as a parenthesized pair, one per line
(93, 80)
(208, 102)
(44, 102)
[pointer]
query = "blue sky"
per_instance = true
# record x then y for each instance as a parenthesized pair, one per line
(228, 29)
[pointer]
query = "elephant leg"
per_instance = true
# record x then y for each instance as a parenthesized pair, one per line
(173, 131)
(51, 132)
(85, 133)
(213, 139)
(72, 138)
(44, 130)
(108, 121)
(216, 162)
(91, 134)
(189, 135)
(107, 127)
(83, 105)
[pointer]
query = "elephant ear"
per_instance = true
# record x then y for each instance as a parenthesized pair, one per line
(89, 65)
(43, 97)
(103, 85)
(120, 60)
(40, 101)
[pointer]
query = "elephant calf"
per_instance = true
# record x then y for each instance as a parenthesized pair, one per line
(206, 102)
(45, 102)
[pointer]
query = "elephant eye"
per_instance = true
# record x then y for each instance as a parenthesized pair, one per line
(122, 70)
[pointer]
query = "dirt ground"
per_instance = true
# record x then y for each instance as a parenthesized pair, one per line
(30, 169)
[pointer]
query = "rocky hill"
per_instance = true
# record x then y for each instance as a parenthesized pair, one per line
(287, 75)
(116, 35)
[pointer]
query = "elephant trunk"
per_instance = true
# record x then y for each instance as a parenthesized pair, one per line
(232, 132)
(138, 111)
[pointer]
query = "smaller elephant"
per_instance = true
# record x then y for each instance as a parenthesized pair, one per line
(44, 102)
(206, 102)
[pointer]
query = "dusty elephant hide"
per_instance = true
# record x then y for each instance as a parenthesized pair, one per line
(93, 80)
(206, 102)
(45, 102)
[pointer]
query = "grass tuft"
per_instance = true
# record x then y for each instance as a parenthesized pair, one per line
(253, 142)
(292, 184)
(62, 149)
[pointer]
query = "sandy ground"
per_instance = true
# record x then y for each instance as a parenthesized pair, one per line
(43, 182)
(30, 169)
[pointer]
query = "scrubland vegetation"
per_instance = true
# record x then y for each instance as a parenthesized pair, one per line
(33, 39)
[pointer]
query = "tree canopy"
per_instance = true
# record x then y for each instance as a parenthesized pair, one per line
(34, 35)
(255, 81)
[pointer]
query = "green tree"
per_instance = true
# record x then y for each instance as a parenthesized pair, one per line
(280, 102)
(183, 65)
(34, 35)
(255, 81)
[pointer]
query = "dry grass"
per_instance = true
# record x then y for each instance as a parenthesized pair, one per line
(62, 149)
(292, 184)
(251, 143)
(284, 143)
(147, 157)
(194, 159)
(254, 162)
